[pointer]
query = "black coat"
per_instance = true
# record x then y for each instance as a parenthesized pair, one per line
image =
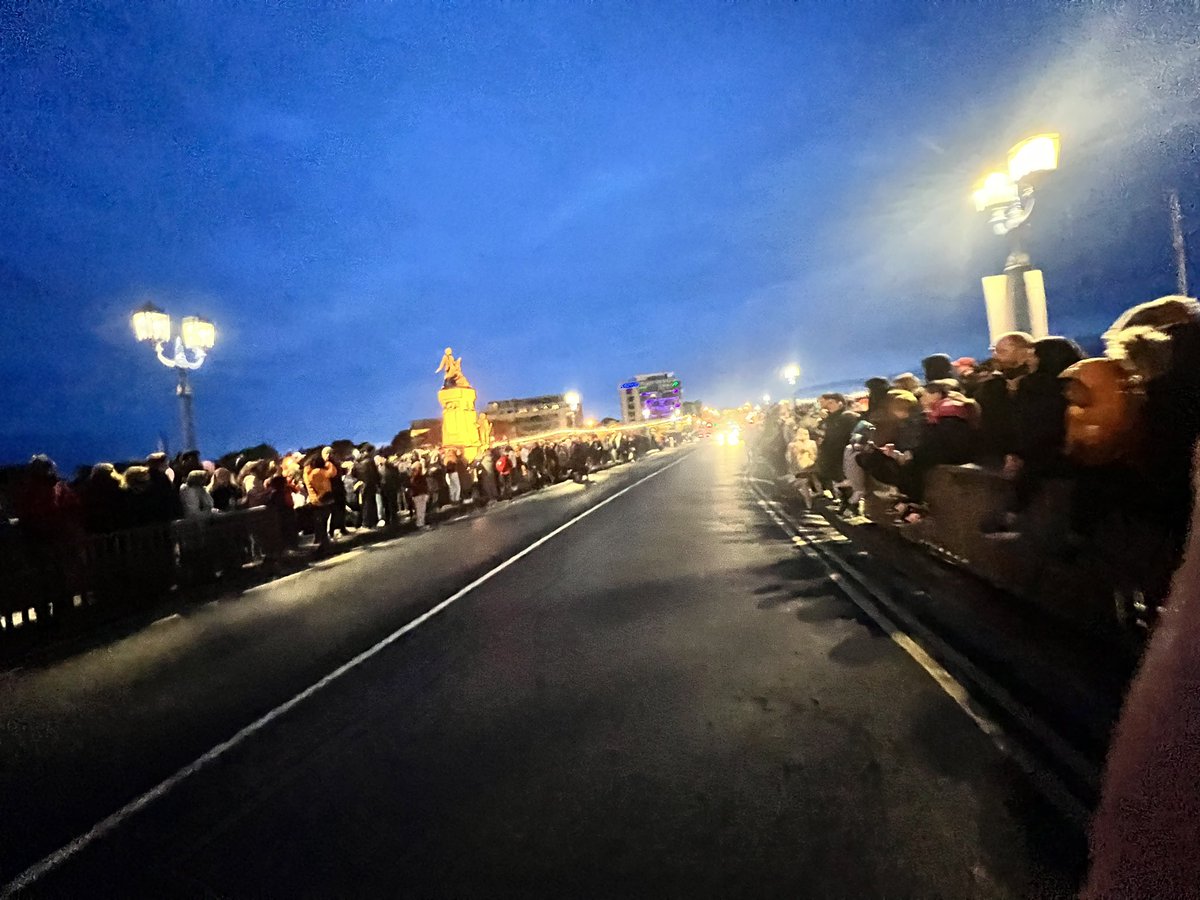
(997, 427)
(837, 435)
(1039, 421)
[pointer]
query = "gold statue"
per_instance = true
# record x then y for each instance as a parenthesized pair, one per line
(453, 369)
(485, 431)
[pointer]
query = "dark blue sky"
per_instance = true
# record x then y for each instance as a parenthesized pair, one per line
(566, 193)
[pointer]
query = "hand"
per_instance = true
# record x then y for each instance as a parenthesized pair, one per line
(1013, 465)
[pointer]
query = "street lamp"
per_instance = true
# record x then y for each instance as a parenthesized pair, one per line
(1008, 199)
(573, 400)
(196, 337)
(791, 372)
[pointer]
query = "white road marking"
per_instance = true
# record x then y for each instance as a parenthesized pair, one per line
(1053, 788)
(110, 823)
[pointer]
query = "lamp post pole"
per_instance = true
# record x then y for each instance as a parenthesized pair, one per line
(188, 351)
(187, 417)
(1015, 267)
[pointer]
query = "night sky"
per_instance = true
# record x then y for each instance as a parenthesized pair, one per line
(566, 193)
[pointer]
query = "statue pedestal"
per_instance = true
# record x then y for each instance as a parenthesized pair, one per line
(460, 422)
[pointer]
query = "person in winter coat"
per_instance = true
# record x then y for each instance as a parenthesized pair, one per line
(578, 461)
(877, 393)
(947, 437)
(161, 495)
(802, 458)
(838, 423)
(938, 368)
(994, 392)
(1039, 429)
(280, 534)
(338, 502)
(101, 500)
(194, 497)
(320, 474)
(1039, 410)
(225, 493)
(504, 472)
(419, 488)
(862, 435)
(389, 489)
(1146, 828)
(1158, 343)
(366, 473)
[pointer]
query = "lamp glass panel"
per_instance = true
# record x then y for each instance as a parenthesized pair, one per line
(997, 189)
(198, 334)
(1036, 154)
(151, 324)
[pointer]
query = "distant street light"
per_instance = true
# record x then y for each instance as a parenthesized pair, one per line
(791, 372)
(1008, 198)
(196, 337)
(573, 400)
(766, 398)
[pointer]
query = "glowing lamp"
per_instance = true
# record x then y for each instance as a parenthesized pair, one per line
(1033, 155)
(197, 333)
(791, 372)
(151, 324)
(996, 190)
(572, 399)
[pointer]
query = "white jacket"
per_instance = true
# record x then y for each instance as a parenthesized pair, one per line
(196, 501)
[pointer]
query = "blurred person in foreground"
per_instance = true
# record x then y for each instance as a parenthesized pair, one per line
(1146, 831)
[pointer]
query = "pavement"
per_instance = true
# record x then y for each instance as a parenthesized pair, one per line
(638, 687)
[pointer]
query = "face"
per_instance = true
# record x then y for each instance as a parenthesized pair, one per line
(829, 405)
(899, 409)
(1010, 354)
(326, 452)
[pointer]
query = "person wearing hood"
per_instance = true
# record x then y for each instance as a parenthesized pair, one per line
(877, 394)
(1040, 408)
(1158, 344)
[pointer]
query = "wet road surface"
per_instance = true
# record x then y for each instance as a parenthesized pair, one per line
(665, 699)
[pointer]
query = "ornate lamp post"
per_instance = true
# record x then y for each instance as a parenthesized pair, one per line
(188, 349)
(1008, 199)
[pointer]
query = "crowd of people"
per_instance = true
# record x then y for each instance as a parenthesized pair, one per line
(319, 491)
(1120, 427)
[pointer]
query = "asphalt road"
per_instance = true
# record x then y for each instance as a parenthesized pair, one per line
(665, 698)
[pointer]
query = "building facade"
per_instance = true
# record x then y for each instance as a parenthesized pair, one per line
(523, 416)
(658, 395)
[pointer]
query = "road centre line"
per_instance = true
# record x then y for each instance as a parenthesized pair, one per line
(113, 821)
(1051, 786)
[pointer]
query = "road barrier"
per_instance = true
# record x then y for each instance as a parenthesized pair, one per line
(1116, 578)
(123, 570)
(87, 579)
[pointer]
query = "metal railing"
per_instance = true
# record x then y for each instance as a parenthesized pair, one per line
(53, 579)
